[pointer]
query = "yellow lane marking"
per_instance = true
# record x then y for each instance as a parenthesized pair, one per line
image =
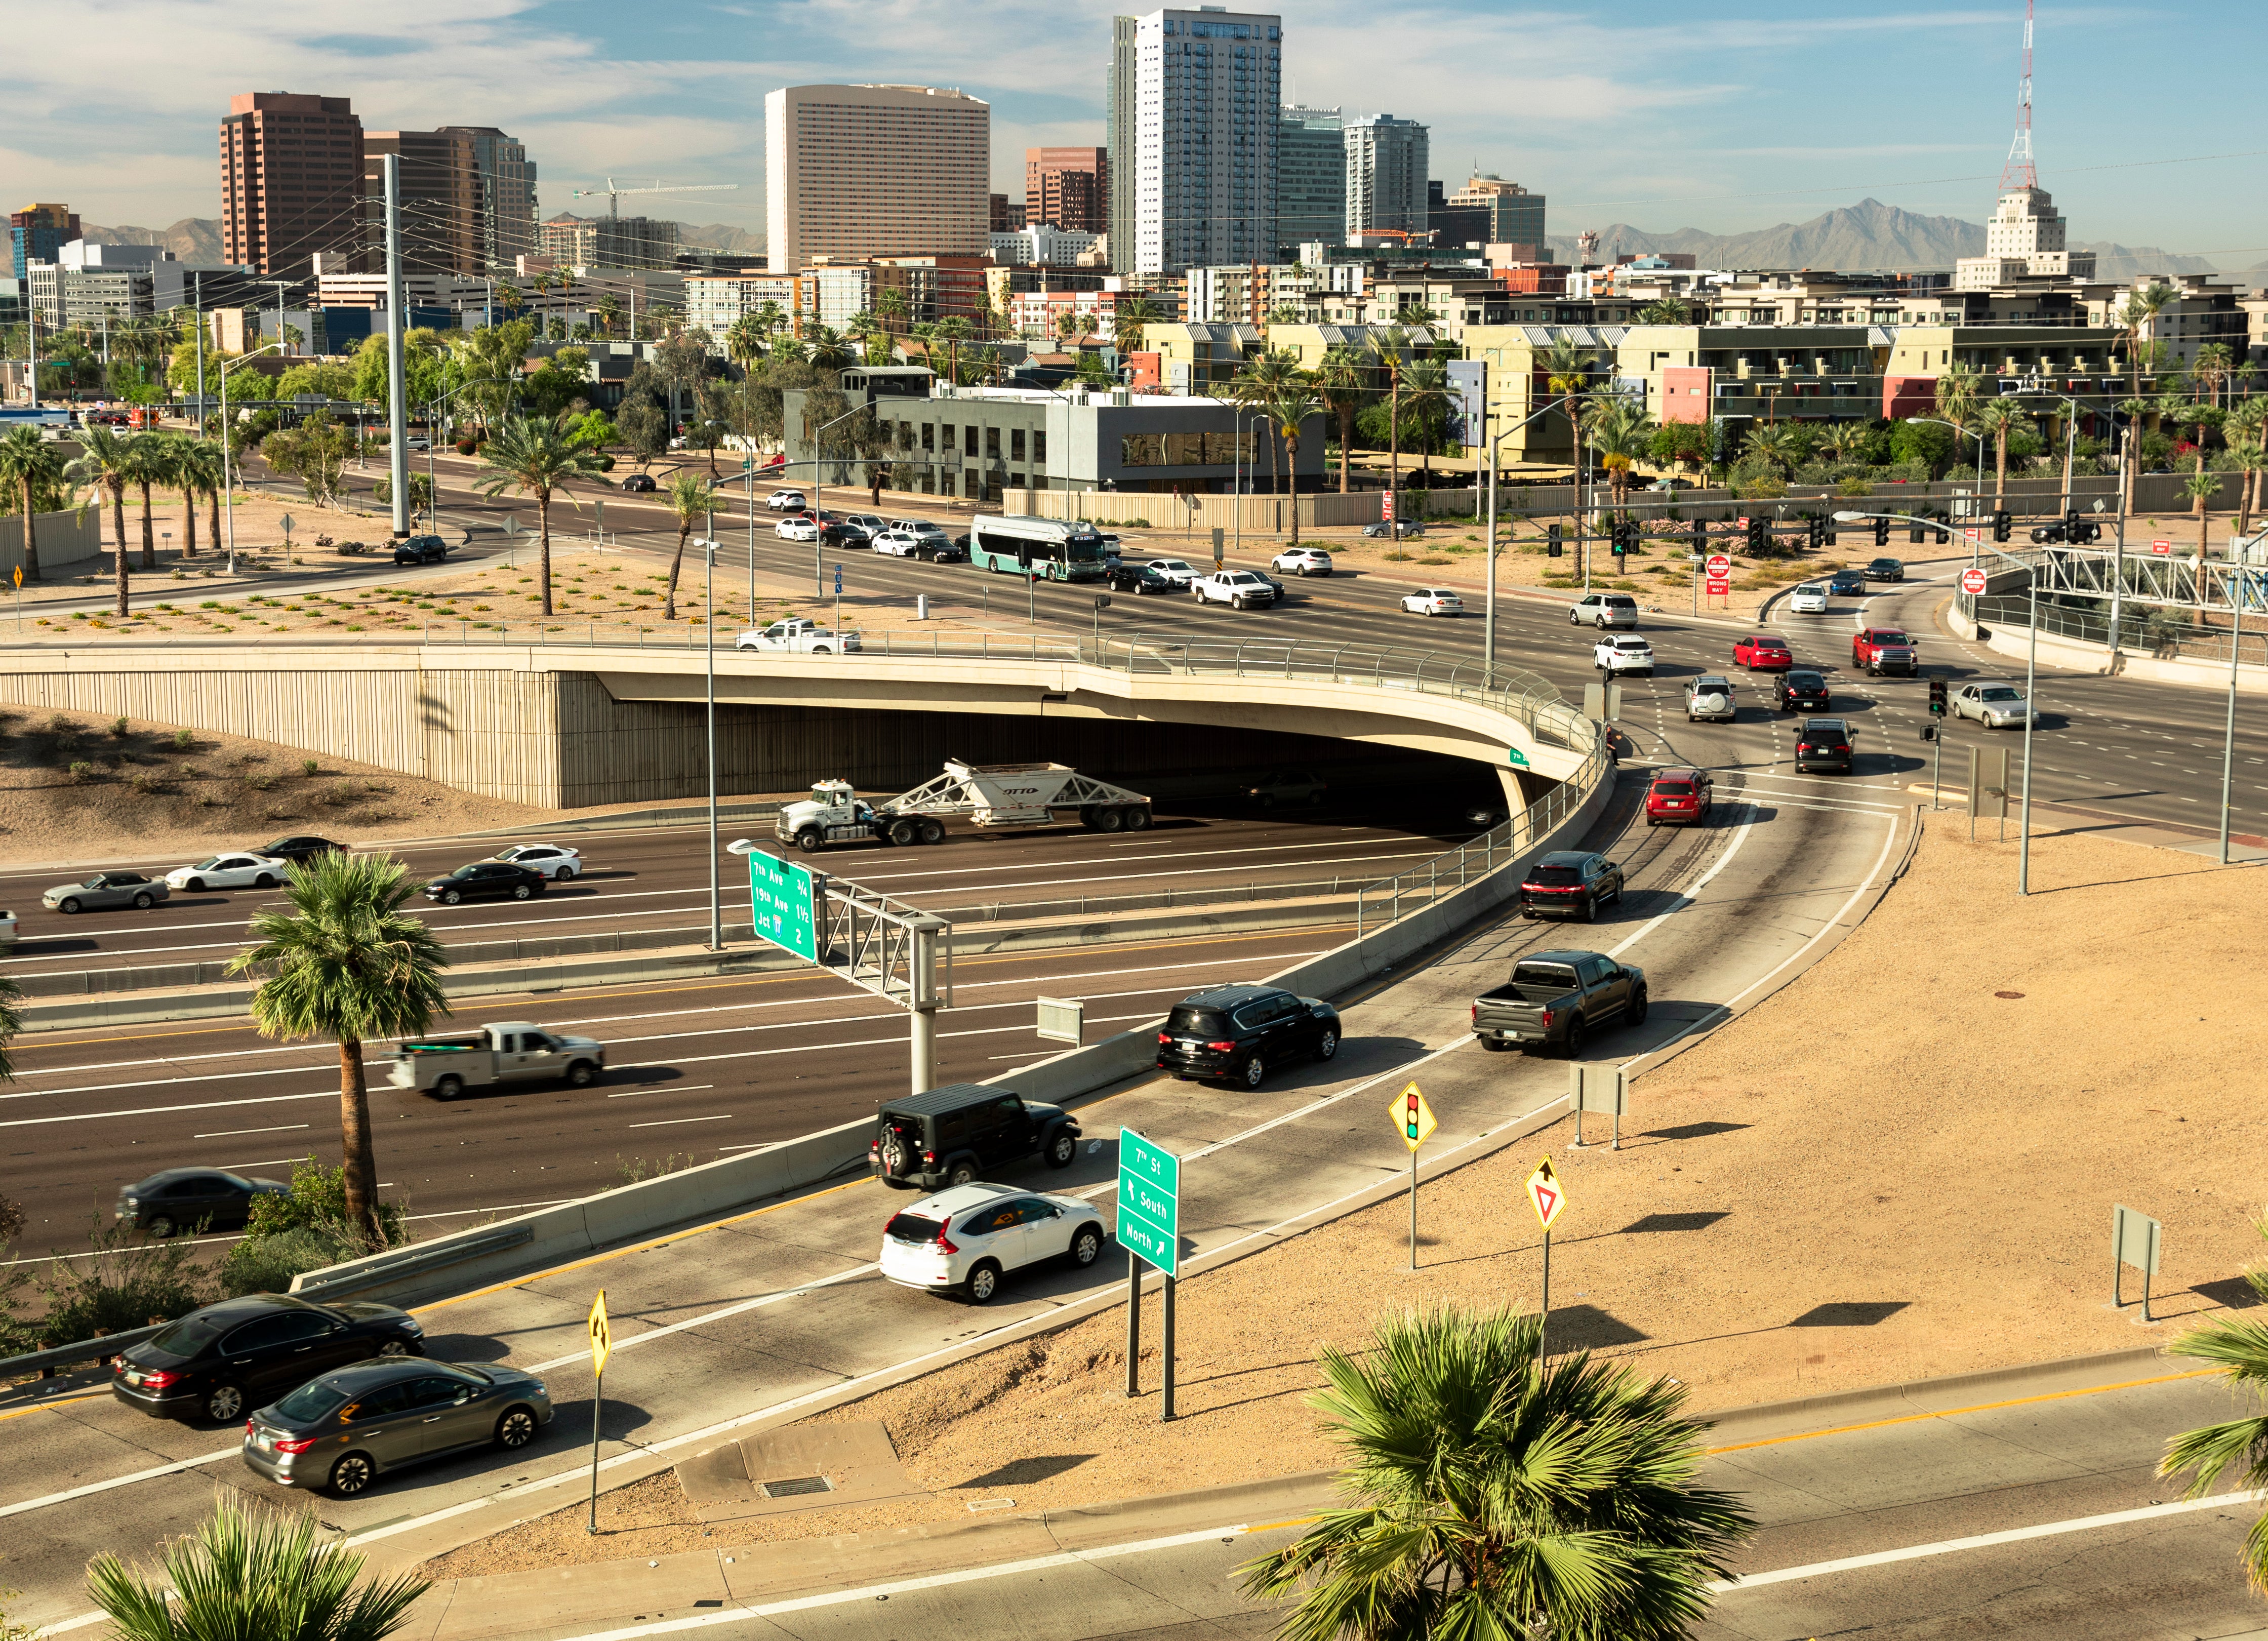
(1955, 1413)
(60, 1401)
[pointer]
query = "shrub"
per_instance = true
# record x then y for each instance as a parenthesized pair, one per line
(266, 1264)
(81, 771)
(124, 1284)
(183, 740)
(318, 1197)
(308, 766)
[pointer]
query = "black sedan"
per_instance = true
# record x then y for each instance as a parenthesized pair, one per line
(1886, 570)
(1570, 883)
(486, 881)
(1238, 1033)
(641, 484)
(344, 1430)
(1136, 578)
(935, 549)
(182, 1199)
(303, 846)
(216, 1361)
(1847, 581)
(1799, 690)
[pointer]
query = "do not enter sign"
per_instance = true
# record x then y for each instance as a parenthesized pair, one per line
(1718, 566)
(2161, 547)
(1972, 582)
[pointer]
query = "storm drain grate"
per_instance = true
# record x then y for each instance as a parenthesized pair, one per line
(795, 1486)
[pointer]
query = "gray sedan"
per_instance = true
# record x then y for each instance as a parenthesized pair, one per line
(106, 889)
(344, 1430)
(1995, 706)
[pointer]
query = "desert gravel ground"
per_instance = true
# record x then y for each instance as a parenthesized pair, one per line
(1902, 1165)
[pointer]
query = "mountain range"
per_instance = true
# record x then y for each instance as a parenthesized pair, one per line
(1867, 237)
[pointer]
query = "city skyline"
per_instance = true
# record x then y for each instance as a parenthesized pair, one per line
(1601, 118)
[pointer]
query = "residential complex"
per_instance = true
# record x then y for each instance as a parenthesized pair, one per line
(875, 170)
(1386, 165)
(1205, 145)
(1068, 188)
(291, 180)
(1121, 86)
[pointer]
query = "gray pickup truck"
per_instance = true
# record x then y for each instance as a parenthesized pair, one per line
(1557, 999)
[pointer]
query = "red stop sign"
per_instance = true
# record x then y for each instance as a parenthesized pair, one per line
(1972, 582)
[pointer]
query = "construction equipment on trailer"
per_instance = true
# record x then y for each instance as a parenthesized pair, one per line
(989, 794)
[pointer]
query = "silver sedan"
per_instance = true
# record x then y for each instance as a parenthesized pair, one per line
(1995, 706)
(105, 889)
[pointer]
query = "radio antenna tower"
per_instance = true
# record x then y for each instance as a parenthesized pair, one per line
(2018, 172)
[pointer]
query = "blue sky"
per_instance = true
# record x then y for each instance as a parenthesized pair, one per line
(1651, 113)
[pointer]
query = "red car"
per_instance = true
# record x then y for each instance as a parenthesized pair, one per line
(1760, 652)
(1677, 798)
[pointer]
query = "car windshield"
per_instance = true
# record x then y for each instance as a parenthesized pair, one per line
(94, 882)
(2004, 692)
(1674, 789)
(208, 864)
(1555, 875)
(1824, 736)
(466, 871)
(192, 1334)
(1815, 590)
(311, 1402)
(1891, 638)
(912, 1228)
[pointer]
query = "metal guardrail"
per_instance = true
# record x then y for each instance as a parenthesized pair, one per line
(45, 1362)
(2147, 629)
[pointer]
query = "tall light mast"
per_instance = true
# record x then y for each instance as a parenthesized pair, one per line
(2018, 172)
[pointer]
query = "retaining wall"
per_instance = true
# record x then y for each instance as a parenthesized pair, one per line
(63, 538)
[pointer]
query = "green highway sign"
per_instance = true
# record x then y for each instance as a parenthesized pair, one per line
(781, 893)
(1149, 1202)
(1516, 757)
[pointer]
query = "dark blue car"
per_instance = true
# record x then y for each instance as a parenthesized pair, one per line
(1847, 581)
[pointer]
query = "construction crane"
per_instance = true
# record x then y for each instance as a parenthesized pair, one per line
(614, 192)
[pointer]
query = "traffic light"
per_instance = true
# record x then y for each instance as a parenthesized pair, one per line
(1943, 536)
(1409, 1118)
(2002, 524)
(1937, 697)
(1881, 532)
(1759, 537)
(1700, 536)
(1815, 533)
(1914, 534)
(1554, 547)
(1618, 537)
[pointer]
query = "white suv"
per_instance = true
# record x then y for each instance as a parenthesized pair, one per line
(1603, 609)
(1241, 589)
(1177, 571)
(1617, 656)
(1302, 561)
(787, 501)
(968, 1237)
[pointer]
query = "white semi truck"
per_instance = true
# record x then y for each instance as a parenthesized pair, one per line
(989, 794)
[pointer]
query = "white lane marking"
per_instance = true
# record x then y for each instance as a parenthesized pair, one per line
(146, 1111)
(675, 1122)
(1979, 1541)
(705, 1318)
(1688, 896)
(660, 1088)
(93, 1488)
(280, 1127)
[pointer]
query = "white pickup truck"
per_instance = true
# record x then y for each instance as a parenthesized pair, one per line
(798, 636)
(509, 1051)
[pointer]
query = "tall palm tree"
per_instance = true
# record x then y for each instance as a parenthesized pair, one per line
(1566, 367)
(29, 465)
(1773, 444)
(1288, 411)
(1426, 394)
(1262, 379)
(744, 340)
(2246, 433)
(952, 330)
(1494, 1496)
(201, 474)
(1959, 388)
(536, 458)
(2209, 369)
(1620, 431)
(830, 349)
(890, 305)
(2133, 316)
(178, 475)
(346, 962)
(1997, 418)
(1131, 323)
(609, 310)
(2238, 1345)
(1337, 379)
(689, 497)
(103, 463)
(249, 1570)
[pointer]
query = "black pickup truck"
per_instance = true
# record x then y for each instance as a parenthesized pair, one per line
(1557, 999)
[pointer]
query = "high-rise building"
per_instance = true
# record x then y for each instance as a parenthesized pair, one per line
(37, 232)
(440, 201)
(646, 242)
(2025, 239)
(875, 170)
(1386, 164)
(508, 207)
(1310, 176)
(570, 240)
(1068, 188)
(291, 182)
(1207, 82)
(1515, 217)
(1119, 85)
(1008, 217)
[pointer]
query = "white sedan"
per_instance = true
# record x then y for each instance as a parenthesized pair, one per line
(554, 861)
(967, 1238)
(797, 530)
(230, 871)
(1810, 598)
(897, 543)
(1626, 652)
(1432, 601)
(1179, 571)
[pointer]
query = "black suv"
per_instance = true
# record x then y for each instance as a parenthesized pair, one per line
(421, 550)
(1823, 743)
(218, 1362)
(1800, 692)
(1570, 883)
(1236, 1033)
(180, 1199)
(951, 1136)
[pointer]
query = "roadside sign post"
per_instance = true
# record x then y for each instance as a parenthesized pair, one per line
(1972, 581)
(1413, 1120)
(1598, 1086)
(1220, 545)
(2134, 1241)
(1549, 1198)
(1149, 1228)
(19, 597)
(601, 1343)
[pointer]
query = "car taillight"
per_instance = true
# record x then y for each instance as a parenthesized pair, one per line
(1545, 1020)
(1476, 1013)
(1165, 1036)
(946, 1244)
(300, 1446)
(1221, 1048)
(1803, 745)
(930, 1157)
(248, 1427)
(156, 1380)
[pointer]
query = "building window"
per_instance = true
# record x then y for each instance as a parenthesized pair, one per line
(969, 445)
(929, 435)
(1142, 450)
(991, 444)
(1016, 444)
(1039, 448)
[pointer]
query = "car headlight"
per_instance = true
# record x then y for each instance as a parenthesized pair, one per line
(542, 1389)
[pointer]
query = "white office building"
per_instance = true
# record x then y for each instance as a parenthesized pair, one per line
(1386, 164)
(1206, 96)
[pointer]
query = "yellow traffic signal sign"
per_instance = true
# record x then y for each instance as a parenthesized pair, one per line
(1413, 1118)
(601, 1340)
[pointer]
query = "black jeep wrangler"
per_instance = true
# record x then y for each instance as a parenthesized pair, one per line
(952, 1135)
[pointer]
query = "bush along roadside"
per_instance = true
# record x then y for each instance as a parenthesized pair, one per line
(304, 1229)
(121, 1282)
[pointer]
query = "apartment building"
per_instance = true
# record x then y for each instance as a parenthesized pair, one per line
(2205, 310)
(1068, 188)
(1198, 358)
(1120, 89)
(1207, 85)
(1380, 346)
(875, 170)
(292, 182)
(508, 211)
(1310, 176)
(1386, 164)
(1252, 294)
(37, 232)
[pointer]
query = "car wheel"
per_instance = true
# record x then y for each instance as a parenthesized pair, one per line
(143, 901)
(265, 880)
(352, 1474)
(449, 1088)
(1573, 620)
(808, 840)
(1326, 1046)
(932, 831)
(1572, 1044)
(162, 1225)
(1590, 908)
(70, 907)
(961, 1174)
(1087, 1246)
(196, 886)
(450, 897)
(566, 873)
(393, 1347)
(1635, 1015)
(1494, 1045)
(1255, 1071)
(581, 1073)
(223, 1404)
(1062, 1148)
(516, 1428)
(520, 891)
(983, 1283)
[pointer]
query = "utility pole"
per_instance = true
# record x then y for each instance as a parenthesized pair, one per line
(2118, 553)
(397, 416)
(197, 306)
(32, 311)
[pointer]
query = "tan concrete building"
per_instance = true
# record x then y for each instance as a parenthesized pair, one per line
(291, 180)
(1068, 188)
(2025, 240)
(854, 171)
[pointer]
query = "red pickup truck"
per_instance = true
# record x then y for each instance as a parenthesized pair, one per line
(1881, 650)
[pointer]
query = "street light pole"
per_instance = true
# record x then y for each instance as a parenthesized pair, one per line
(709, 597)
(228, 485)
(2237, 593)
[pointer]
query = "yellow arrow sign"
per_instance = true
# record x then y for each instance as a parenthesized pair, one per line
(19, 575)
(601, 1340)
(1413, 1118)
(1545, 1194)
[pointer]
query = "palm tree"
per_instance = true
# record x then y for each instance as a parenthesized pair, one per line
(689, 495)
(1338, 381)
(1493, 1495)
(1846, 440)
(249, 1570)
(1425, 393)
(2210, 368)
(1620, 431)
(830, 349)
(952, 330)
(1289, 411)
(1130, 326)
(2246, 433)
(29, 465)
(1667, 311)
(1959, 388)
(1773, 444)
(1566, 367)
(203, 472)
(180, 456)
(2140, 307)
(536, 458)
(1262, 379)
(1998, 418)
(346, 962)
(2237, 1345)
(891, 306)
(609, 310)
(103, 462)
